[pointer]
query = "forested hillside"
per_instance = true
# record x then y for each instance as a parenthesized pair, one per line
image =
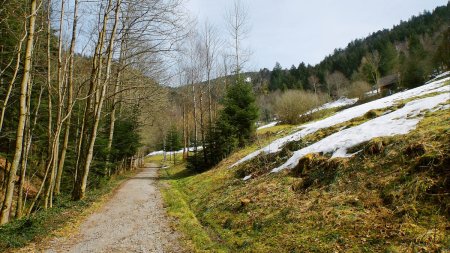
(408, 54)
(414, 49)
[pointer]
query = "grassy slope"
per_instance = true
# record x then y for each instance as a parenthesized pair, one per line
(63, 218)
(391, 197)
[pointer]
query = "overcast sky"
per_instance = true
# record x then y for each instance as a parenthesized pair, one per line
(291, 31)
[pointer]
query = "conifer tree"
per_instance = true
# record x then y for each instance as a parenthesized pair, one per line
(240, 111)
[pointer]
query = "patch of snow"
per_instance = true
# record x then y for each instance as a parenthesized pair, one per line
(271, 124)
(343, 101)
(161, 152)
(341, 152)
(400, 121)
(346, 115)
(247, 177)
(439, 76)
(441, 107)
(372, 92)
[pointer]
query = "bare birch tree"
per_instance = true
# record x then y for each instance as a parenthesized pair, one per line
(98, 90)
(237, 21)
(69, 104)
(211, 44)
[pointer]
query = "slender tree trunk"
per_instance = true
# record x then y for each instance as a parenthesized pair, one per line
(195, 119)
(23, 164)
(164, 146)
(58, 123)
(50, 103)
(188, 135)
(20, 197)
(112, 118)
(4, 216)
(236, 42)
(79, 142)
(210, 103)
(27, 144)
(184, 132)
(69, 100)
(41, 188)
(202, 127)
(225, 69)
(80, 186)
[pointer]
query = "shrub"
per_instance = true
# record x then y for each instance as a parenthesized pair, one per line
(358, 89)
(294, 106)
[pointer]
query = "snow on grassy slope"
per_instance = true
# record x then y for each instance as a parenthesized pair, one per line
(442, 75)
(348, 114)
(271, 124)
(343, 101)
(400, 121)
(161, 152)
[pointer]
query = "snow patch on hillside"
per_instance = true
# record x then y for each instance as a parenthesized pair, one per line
(348, 114)
(161, 152)
(445, 74)
(400, 121)
(343, 101)
(271, 124)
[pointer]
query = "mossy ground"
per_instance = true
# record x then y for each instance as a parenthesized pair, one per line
(392, 197)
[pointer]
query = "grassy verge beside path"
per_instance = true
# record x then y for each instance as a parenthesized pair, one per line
(390, 197)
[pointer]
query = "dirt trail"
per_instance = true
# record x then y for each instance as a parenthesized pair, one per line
(133, 220)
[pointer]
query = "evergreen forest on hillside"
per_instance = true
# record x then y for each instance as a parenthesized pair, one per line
(415, 50)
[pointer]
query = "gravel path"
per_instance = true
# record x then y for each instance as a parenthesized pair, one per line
(133, 220)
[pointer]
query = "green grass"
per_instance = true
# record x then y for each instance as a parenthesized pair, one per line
(46, 223)
(274, 129)
(392, 197)
(196, 237)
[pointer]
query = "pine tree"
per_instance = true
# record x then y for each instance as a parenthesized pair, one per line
(276, 78)
(441, 58)
(234, 127)
(240, 111)
(173, 139)
(389, 59)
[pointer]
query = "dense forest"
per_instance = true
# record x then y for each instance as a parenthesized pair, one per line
(415, 49)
